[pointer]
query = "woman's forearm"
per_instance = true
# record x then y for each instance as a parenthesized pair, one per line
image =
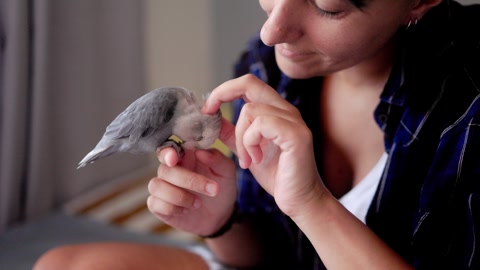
(239, 247)
(343, 241)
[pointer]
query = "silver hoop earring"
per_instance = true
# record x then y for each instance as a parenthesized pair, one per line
(410, 23)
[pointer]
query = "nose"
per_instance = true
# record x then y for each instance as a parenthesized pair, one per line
(283, 24)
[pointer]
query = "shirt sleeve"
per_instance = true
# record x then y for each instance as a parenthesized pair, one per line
(447, 232)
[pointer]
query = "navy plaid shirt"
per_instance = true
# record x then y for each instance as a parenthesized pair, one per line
(427, 204)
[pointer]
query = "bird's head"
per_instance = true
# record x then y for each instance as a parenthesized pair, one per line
(202, 131)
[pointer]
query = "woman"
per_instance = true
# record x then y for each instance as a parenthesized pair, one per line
(356, 106)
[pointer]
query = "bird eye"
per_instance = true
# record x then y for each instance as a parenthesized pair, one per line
(199, 138)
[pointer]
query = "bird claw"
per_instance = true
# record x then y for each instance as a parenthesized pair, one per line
(175, 145)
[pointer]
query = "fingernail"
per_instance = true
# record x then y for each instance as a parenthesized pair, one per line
(197, 203)
(211, 189)
(240, 163)
(158, 155)
(204, 107)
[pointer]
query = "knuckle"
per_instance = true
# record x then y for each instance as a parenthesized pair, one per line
(171, 210)
(161, 208)
(165, 211)
(248, 107)
(305, 133)
(151, 186)
(191, 182)
(264, 119)
(151, 203)
(182, 198)
(162, 170)
(296, 112)
(250, 78)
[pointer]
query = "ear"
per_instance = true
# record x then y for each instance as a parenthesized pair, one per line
(420, 8)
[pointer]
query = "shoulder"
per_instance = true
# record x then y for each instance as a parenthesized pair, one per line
(444, 47)
(463, 32)
(447, 34)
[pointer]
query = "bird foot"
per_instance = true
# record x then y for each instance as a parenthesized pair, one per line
(175, 145)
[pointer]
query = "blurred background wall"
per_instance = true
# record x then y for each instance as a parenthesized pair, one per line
(68, 68)
(195, 43)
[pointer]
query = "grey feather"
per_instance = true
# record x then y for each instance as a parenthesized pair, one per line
(151, 120)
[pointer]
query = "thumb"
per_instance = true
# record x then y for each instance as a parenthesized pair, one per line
(168, 156)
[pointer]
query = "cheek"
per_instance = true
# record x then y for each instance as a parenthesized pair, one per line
(341, 42)
(344, 48)
(338, 45)
(368, 44)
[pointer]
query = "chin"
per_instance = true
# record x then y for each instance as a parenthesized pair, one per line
(300, 70)
(296, 72)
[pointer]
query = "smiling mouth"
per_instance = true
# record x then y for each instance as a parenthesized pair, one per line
(291, 54)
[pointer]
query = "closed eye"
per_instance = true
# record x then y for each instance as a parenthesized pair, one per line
(327, 13)
(199, 138)
(333, 12)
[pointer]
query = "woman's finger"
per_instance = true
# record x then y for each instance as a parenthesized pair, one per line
(227, 135)
(185, 178)
(250, 112)
(168, 156)
(288, 136)
(162, 208)
(166, 192)
(248, 87)
(263, 128)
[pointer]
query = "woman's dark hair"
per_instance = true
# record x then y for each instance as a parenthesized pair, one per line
(359, 3)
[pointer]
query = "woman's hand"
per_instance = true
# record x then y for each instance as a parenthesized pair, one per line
(194, 194)
(272, 140)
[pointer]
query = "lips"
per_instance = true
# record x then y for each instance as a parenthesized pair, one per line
(293, 53)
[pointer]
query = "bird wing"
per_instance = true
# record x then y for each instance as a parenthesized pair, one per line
(145, 116)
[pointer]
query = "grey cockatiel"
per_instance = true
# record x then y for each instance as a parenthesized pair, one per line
(151, 120)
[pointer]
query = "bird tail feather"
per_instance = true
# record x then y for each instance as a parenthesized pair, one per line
(96, 154)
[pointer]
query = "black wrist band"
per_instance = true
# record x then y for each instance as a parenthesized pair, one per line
(227, 226)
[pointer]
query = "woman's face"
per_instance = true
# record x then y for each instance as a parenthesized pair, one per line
(318, 37)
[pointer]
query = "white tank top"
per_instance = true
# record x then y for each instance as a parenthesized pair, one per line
(359, 198)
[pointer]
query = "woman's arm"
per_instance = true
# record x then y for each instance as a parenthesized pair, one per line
(341, 240)
(240, 247)
(272, 140)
